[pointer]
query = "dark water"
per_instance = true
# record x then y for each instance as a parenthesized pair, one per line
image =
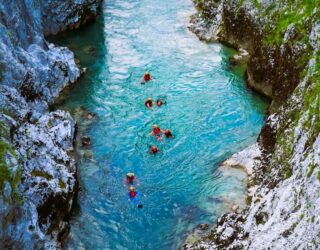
(209, 110)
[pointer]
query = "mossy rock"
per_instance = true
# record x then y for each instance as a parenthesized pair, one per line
(43, 174)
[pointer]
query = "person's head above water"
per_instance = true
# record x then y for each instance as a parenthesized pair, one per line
(153, 149)
(156, 130)
(159, 102)
(168, 133)
(130, 175)
(148, 102)
(132, 192)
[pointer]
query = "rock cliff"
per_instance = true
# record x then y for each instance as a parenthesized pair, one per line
(283, 41)
(37, 166)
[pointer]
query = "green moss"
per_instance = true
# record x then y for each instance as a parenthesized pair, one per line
(301, 216)
(37, 173)
(288, 172)
(311, 168)
(248, 200)
(6, 170)
(313, 218)
(318, 176)
(50, 124)
(28, 154)
(257, 4)
(62, 185)
(285, 143)
(297, 14)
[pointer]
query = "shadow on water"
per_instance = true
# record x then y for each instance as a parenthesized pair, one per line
(210, 111)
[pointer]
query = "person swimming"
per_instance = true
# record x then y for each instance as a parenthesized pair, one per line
(153, 150)
(148, 103)
(159, 102)
(146, 78)
(134, 196)
(168, 133)
(156, 131)
(132, 193)
(130, 178)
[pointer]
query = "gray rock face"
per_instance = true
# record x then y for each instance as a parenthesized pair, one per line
(60, 15)
(38, 144)
(283, 210)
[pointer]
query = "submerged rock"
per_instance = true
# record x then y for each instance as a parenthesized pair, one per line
(90, 115)
(241, 57)
(85, 140)
(89, 50)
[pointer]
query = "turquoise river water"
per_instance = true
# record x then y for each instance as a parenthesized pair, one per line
(209, 110)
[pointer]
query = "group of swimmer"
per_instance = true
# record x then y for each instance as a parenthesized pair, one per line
(156, 131)
(131, 179)
(133, 195)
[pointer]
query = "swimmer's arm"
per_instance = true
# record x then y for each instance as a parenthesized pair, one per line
(137, 180)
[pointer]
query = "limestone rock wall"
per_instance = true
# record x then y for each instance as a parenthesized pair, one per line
(282, 38)
(37, 166)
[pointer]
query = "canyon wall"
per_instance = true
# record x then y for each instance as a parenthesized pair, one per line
(283, 41)
(37, 165)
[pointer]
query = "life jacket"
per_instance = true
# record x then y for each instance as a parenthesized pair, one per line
(156, 131)
(132, 194)
(154, 150)
(130, 179)
(146, 77)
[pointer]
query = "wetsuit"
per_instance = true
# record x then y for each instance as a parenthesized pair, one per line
(146, 77)
(156, 131)
(135, 198)
(132, 194)
(168, 134)
(130, 180)
(148, 104)
(153, 150)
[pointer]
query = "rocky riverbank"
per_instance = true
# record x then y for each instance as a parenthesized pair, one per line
(282, 39)
(37, 169)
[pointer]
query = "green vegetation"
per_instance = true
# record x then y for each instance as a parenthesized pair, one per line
(311, 168)
(38, 173)
(62, 185)
(300, 16)
(248, 200)
(50, 123)
(6, 169)
(294, 13)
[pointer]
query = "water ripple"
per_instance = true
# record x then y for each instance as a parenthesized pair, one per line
(209, 110)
